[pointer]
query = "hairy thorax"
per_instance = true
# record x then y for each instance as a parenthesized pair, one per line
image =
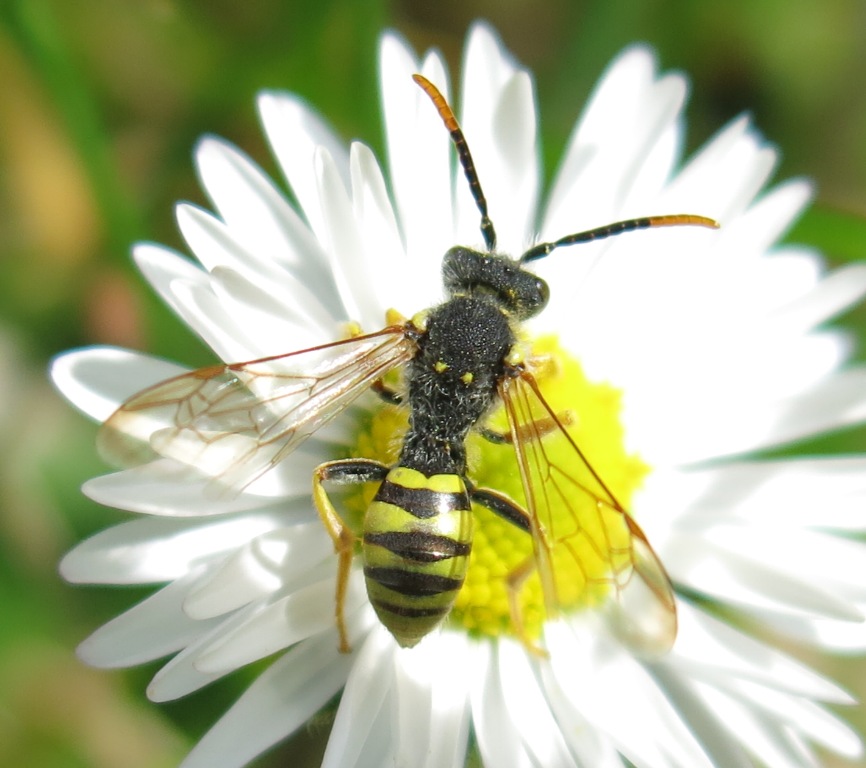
(452, 381)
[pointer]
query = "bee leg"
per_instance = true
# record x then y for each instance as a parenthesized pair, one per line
(508, 510)
(501, 505)
(514, 582)
(344, 472)
(537, 428)
(493, 436)
(388, 395)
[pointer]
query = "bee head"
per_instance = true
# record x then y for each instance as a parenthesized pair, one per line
(519, 292)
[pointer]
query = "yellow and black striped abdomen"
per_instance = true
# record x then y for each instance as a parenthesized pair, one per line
(416, 544)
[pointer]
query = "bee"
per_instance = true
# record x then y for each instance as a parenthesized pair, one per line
(460, 360)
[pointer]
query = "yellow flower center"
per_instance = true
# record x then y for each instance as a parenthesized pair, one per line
(591, 413)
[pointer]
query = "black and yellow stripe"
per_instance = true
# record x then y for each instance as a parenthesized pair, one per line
(417, 540)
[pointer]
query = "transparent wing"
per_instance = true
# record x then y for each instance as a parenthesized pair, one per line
(587, 547)
(235, 422)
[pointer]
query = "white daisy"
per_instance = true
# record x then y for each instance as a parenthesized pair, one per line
(704, 345)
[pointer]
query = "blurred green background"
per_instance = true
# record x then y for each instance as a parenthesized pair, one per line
(101, 102)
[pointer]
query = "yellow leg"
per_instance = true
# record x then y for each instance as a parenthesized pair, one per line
(343, 472)
(513, 513)
(514, 582)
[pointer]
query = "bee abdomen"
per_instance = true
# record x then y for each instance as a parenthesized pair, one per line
(416, 543)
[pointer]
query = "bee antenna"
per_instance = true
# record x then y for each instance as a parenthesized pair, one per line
(609, 230)
(463, 154)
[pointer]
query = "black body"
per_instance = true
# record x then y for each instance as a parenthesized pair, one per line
(461, 355)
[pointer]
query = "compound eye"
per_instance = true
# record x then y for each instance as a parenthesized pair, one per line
(543, 294)
(532, 299)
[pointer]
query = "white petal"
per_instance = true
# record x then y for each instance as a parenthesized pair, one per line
(758, 229)
(168, 489)
(722, 747)
(295, 131)
(588, 667)
(514, 199)
(280, 327)
(180, 676)
(527, 706)
(795, 492)
(629, 113)
(370, 678)
(498, 737)
(430, 712)
(418, 156)
(155, 627)
(759, 585)
(839, 401)
(722, 180)
(652, 166)
(763, 737)
(344, 246)
(97, 380)
(186, 289)
(590, 746)
(833, 295)
(715, 651)
(766, 286)
(199, 308)
(285, 622)
(162, 267)
(159, 549)
(164, 270)
(258, 569)
(379, 749)
(807, 560)
(826, 636)
(450, 699)
(700, 429)
(216, 247)
(282, 699)
(804, 716)
(410, 710)
(784, 492)
(255, 211)
(498, 118)
(291, 478)
(384, 254)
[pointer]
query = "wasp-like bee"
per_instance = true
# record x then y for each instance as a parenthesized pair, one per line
(459, 360)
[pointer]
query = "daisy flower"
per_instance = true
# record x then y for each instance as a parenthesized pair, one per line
(675, 353)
